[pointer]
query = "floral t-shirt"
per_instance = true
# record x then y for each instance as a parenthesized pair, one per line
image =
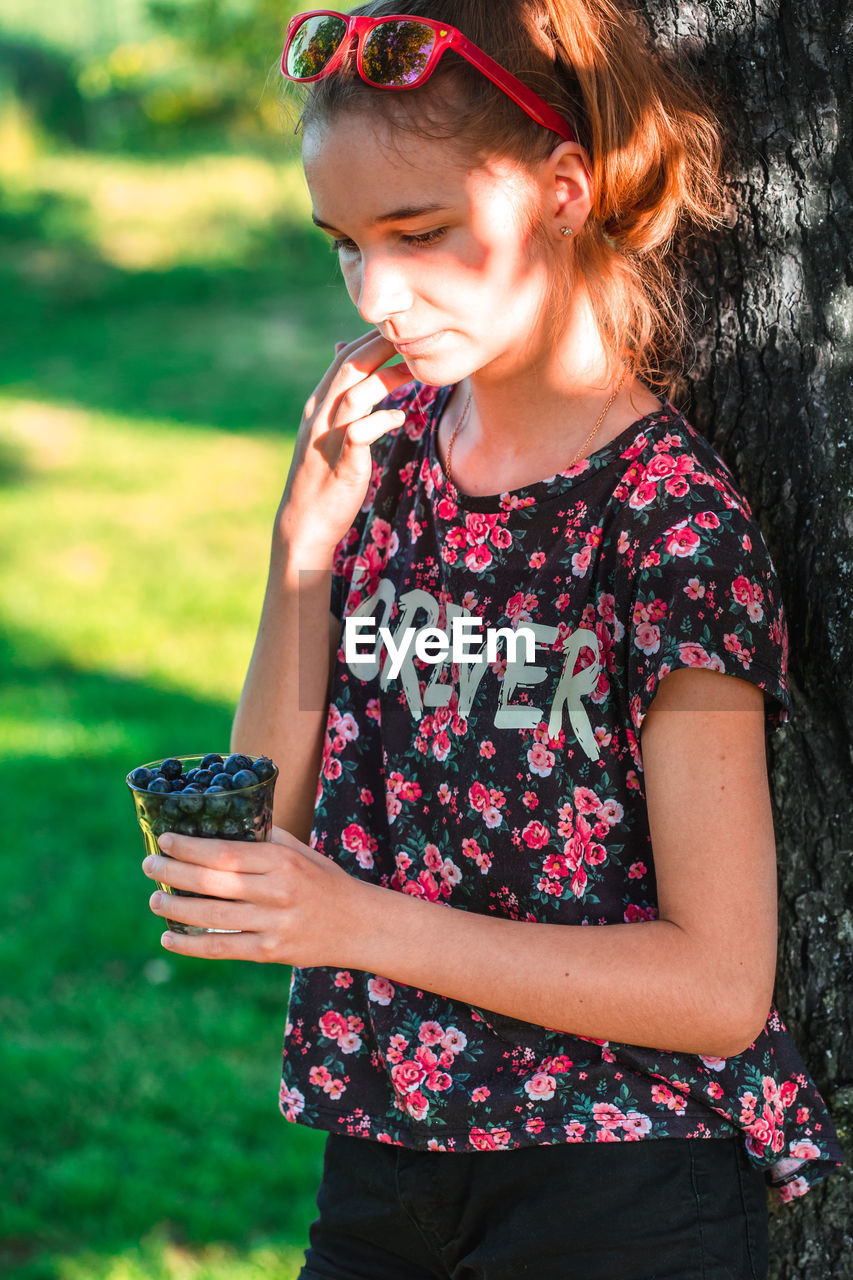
(514, 787)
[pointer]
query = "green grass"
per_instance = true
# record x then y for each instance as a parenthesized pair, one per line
(153, 365)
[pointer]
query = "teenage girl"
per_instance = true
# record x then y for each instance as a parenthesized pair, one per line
(508, 1088)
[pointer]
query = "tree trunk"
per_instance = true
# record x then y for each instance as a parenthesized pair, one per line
(771, 389)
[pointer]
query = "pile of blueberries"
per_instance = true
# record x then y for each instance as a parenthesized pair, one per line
(213, 798)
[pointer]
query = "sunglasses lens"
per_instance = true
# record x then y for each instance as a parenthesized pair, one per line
(396, 53)
(313, 45)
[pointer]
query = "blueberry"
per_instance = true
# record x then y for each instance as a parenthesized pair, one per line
(263, 768)
(192, 775)
(191, 800)
(245, 778)
(243, 807)
(203, 778)
(218, 801)
(159, 785)
(178, 784)
(236, 762)
(141, 777)
(229, 829)
(208, 826)
(170, 768)
(223, 780)
(212, 762)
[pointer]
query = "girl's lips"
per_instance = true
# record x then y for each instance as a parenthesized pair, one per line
(413, 345)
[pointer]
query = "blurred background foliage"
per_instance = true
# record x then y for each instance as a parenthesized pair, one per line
(165, 308)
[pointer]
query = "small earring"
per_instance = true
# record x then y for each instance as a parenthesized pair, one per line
(566, 231)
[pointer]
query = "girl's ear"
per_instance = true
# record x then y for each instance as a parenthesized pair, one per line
(568, 175)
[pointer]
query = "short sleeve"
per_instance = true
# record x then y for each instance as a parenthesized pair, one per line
(706, 595)
(347, 550)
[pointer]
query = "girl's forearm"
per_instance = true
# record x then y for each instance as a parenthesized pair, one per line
(284, 703)
(647, 983)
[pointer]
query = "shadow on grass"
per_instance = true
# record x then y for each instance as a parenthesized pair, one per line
(139, 1088)
(237, 346)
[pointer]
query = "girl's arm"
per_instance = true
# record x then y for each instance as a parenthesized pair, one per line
(697, 980)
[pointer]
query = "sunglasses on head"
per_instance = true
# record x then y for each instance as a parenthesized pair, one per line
(397, 52)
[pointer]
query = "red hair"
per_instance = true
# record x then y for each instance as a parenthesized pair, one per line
(654, 145)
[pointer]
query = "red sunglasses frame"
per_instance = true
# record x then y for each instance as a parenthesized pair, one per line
(447, 37)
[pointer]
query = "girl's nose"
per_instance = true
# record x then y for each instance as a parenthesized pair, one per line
(383, 289)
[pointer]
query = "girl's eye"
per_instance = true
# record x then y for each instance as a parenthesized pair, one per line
(426, 237)
(344, 246)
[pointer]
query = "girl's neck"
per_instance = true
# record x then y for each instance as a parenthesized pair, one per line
(530, 416)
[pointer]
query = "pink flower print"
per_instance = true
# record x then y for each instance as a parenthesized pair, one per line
(606, 607)
(426, 1057)
(750, 595)
(373, 710)
(444, 794)
(347, 728)
(682, 541)
(586, 802)
(487, 749)
(578, 883)
(407, 1076)
(647, 638)
(714, 1090)
(787, 1093)
(333, 1025)
(608, 1116)
(392, 802)
(441, 745)
(643, 495)
(430, 1033)
(319, 1076)
(520, 606)
(660, 466)
(432, 857)
(791, 1190)
(636, 871)
(397, 1046)
(694, 589)
(446, 508)
(291, 1102)
(478, 796)
(595, 854)
(530, 800)
(380, 990)
(334, 1088)
(534, 1125)
(636, 1123)
(450, 875)
(332, 768)
(607, 1135)
(500, 537)
(343, 978)
(537, 560)
(804, 1150)
(693, 655)
(454, 1040)
(492, 816)
(438, 1081)
(481, 1141)
(713, 1064)
(417, 1105)
(456, 537)
(624, 542)
(676, 486)
(575, 1131)
(429, 886)
(554, 865)
(581, 561)
(540, 760)
(380, 531)
(478, 558)
(540, 1087)
(480, 1094)
(536, 835)
(633, 913)
(666, 1098)
(707, 520)
(478, 525)
(349, 1043)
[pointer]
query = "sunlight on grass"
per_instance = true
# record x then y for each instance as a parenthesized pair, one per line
(142, 544)
(158, 1260)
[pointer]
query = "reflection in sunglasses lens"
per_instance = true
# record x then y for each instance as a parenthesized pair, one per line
(396, 53)
(313, 45)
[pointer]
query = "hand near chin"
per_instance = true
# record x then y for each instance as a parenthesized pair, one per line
(332, 463)
(286, 899)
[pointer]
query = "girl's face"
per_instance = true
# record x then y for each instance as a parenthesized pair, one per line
(439, 257)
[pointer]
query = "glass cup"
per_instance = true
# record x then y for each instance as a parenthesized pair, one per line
(241, 814)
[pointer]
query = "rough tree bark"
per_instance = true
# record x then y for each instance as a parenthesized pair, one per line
(771, 389)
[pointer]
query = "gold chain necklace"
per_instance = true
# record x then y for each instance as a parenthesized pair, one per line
(467, 410)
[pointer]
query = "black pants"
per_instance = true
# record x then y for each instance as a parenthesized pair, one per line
(656, 1209)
